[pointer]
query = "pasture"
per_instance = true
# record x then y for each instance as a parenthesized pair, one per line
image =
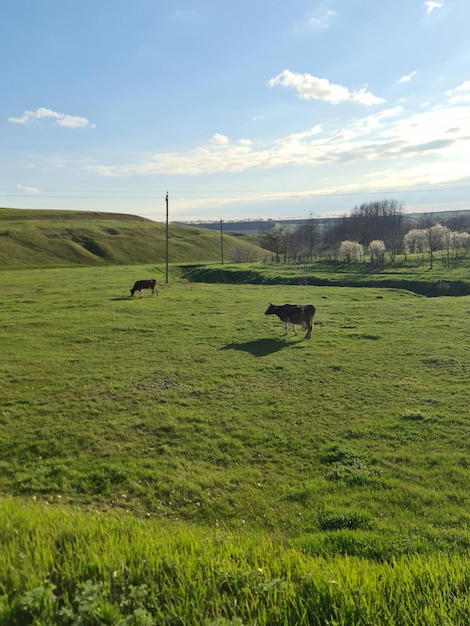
(191, 409)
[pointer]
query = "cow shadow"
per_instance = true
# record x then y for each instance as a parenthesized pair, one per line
(260, 347)
(129, 298)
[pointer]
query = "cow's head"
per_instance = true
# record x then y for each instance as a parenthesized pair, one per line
(270, 310)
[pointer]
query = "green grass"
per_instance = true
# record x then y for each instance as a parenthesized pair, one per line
(192, 405)
(402, 274)
(35, 238)
(188, 418)
(64, 567)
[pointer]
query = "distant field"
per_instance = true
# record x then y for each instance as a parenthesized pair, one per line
(190, 408)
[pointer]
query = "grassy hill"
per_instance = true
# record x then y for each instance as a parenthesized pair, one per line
(30, 238)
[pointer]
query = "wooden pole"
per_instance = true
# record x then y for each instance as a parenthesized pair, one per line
(166, 240)
(221, 242)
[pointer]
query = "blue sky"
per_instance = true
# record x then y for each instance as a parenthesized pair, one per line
(239, 109)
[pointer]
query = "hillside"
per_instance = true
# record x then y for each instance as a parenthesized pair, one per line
(39, 238)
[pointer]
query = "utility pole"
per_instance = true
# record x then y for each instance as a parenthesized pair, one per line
(166, 240)
(221, 242)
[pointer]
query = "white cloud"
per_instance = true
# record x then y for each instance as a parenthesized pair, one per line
(430, 5)
(222, 140)
(60, 119)
(460, 94)
(460, 99)
(324, 21)
(311, 87)
(365, 97)
(391, 135)
(32, 190)
(372, 123)
(219, 140)
(183, 14)
(465, 86)
(407, 77)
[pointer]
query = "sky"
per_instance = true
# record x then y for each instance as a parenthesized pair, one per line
(237, 108)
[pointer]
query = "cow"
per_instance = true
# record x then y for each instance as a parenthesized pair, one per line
(145, 284)
(294, 314)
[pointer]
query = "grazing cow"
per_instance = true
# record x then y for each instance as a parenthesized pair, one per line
(145, 284)
(294, 314)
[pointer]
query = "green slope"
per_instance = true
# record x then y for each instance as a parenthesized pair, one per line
(38, 238)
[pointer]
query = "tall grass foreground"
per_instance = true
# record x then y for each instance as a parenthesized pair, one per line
(70, 567)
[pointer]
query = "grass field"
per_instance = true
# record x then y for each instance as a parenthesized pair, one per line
(189, 413)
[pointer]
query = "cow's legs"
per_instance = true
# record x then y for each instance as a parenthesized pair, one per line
(285, 328)
(294, 329)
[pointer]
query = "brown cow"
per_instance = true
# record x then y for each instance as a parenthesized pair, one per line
(294, 314)
(145, 284)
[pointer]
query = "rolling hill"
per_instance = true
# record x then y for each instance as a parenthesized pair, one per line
(47, 238)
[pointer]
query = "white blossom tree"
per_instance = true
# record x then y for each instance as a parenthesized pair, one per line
(436, 238)
(462, 241)
(377, 251)
(415, 241)
(350, 251)
(458, 244)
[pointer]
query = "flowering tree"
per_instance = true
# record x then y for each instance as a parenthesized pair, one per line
(415, 241)
(457, 244)
(377, 251)
(350, 251)
(461, 241)
(435, 238)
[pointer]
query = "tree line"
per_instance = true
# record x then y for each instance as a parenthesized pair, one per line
(371, 231)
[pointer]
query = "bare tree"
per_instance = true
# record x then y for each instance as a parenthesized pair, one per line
(379, 220)
(309, 233)
(273, 241)
(243, 254)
